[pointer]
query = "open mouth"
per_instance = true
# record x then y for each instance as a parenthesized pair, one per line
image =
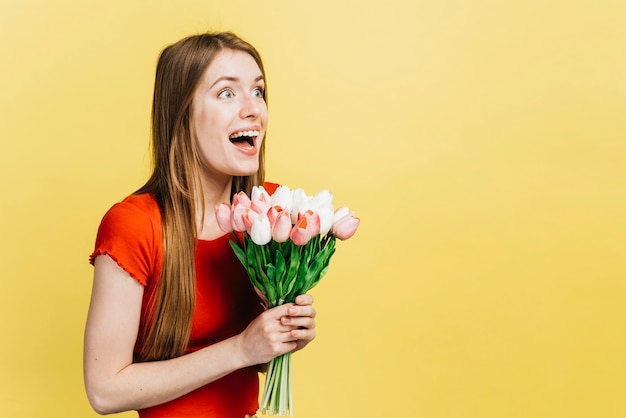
(244, 139)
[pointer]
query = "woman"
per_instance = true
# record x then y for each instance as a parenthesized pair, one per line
(174, 327)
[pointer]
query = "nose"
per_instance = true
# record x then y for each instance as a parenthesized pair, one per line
(250, 107)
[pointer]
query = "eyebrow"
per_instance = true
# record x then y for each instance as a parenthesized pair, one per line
(233, 79)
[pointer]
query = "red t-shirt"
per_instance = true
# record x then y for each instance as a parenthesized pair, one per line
(130, 233)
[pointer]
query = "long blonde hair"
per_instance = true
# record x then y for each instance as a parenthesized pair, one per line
(174, 183)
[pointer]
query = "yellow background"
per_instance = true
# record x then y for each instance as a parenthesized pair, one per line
(482, 143)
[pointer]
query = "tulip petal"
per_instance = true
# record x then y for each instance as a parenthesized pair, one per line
(248, 219)
(223, 213)
(341, 212)
(323, 198)
(239, 212)
(313, 223)
(301, 203)
(260, 206)
(327, 218)
(241, 199)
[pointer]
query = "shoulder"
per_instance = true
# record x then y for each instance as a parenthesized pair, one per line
(135, 212)
(131, 233)
(144, 203)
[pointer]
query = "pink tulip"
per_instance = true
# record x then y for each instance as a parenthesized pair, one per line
(223, 213)
(238, 213)
(300, 235)
(273, 213)
(281, 226)
(346, 226)
(307, 226)
(241, 199)
(248, 219)
(313, 222)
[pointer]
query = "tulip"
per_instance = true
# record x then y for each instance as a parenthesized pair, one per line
(261, 232)
(259, 193)
(282, 198)
(249, 217)
(299, 234)
(224, 216)
(301, 203)
(239, 211)
(323, 198)
(281, 227)
(327, 218)
(322, 203)
(241, 199)
(313, 222)
(272, 214)
(340, 213)
(307, 226)
(346, 225)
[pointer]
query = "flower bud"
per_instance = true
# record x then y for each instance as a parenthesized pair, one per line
(223, 213)
(260, 232)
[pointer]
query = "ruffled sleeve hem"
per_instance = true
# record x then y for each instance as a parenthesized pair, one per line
(92, 259)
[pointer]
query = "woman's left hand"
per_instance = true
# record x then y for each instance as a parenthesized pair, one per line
(302, 320)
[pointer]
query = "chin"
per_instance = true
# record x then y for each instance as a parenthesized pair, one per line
(248, 170)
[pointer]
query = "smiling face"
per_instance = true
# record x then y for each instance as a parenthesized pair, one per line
(229, 116)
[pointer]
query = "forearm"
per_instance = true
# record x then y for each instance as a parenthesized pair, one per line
(141, 385)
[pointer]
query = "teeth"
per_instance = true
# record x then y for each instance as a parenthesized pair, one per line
(244, 133)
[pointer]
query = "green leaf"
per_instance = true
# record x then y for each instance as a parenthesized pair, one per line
(281, 266)
(255, 282)
(239, 252)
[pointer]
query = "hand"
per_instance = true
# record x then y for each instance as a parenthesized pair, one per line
(285, 328)
(302, 320)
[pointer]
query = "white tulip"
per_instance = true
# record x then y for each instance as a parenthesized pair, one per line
(301, 203)
(282, 197)
(261, 232)
(327, 218)
(323, 198)
(259, 193)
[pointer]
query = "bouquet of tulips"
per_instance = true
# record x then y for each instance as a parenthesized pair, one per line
(288, 240)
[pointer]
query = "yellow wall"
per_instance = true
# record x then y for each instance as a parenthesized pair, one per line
(482, 143)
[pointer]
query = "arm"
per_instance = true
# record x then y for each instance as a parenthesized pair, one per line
(114, 383)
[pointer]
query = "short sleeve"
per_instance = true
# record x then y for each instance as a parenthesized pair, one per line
(130, 233)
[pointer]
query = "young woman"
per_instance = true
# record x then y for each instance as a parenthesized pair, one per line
(175, 328)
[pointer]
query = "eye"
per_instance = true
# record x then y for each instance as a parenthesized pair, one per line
(226, 94)
(258, 92)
